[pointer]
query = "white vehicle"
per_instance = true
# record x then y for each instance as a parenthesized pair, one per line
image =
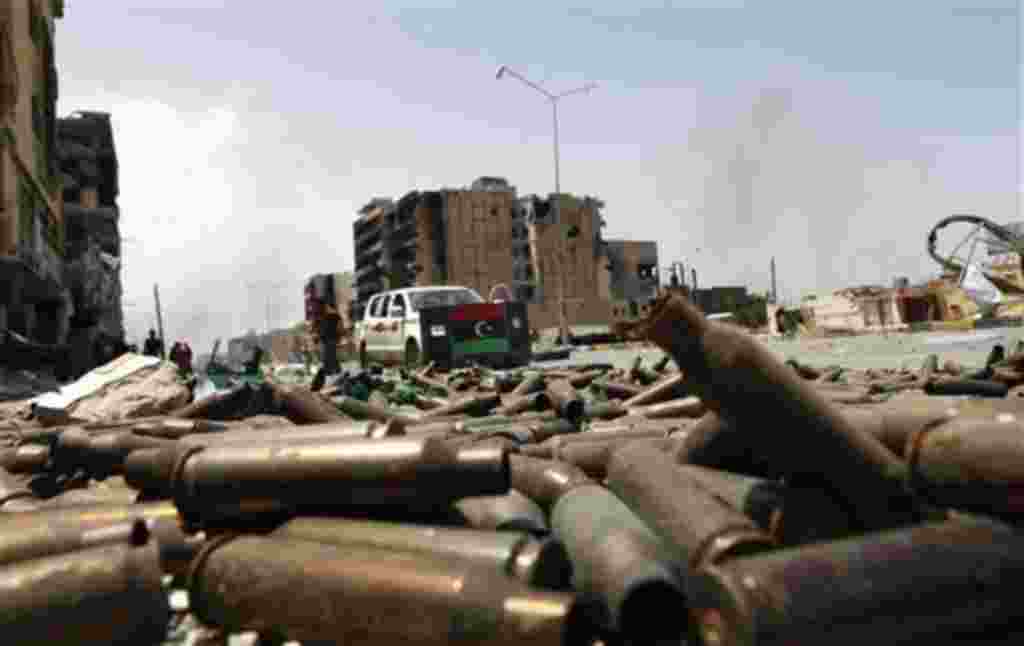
(390, 329)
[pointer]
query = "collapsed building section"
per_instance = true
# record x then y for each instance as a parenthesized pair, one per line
(545, 250)
(92, 272)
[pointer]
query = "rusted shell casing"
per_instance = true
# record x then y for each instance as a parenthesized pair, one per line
(102, 595)
(551, 448)
(892, 425)
(13, 488)
(972, 464)
(313, 592)
(740, 379)
(102, 455)
(509, 512)
(341, 429)
(714, 443)
(530, 384)
(303, 406)
(791, 515)
(426, 382)
(53, 531)
(565, 400)
(364, 410)
(171, 428)
(584, 378)
(527, 432)
(973, 387)
(618, 389)
(544, 481)
(619, 562)
(685, 407)
(28, 458)
(894, 587)
(232, 480)
(696, 524)
(538, 562)
(515, 404)
(592, 457)
(473, 405)
(604, 410)
(668, 388)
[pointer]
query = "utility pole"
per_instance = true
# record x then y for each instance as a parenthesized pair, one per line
(560, 242)
(775, 294)
(159, 319)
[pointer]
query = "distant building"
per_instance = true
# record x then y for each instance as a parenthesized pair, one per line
(486, 235)
(32, 301)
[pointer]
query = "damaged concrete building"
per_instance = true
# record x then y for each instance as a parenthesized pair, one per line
(33, 303)
(486, 235)
(59, 241)
(92, 270)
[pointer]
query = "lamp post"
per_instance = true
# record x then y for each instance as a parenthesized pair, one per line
(553, 99)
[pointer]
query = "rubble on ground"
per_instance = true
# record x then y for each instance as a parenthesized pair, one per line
(715, 495)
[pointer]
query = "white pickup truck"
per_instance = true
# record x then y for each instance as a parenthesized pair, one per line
(390, 329)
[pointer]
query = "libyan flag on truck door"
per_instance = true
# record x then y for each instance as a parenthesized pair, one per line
(478, 328)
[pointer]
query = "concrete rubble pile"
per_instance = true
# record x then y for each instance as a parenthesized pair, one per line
(718, 496)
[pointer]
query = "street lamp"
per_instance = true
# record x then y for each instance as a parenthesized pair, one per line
(553, 99)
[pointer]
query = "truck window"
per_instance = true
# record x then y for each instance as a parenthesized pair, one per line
(397, 301)
(441, 297)
(383, 307)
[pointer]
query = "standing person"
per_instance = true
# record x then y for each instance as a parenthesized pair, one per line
(175, 354)
(154, 346)
(186, 358)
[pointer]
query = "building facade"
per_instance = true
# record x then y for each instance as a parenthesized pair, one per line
(32, 300)
(485, 235)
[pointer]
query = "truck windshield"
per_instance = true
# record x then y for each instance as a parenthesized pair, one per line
(441, 297)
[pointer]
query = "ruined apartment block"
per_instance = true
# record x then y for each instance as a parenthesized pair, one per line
(32, 301)
(485, 235)
(92, 270)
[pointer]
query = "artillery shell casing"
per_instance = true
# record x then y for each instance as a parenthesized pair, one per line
(696, 524)
(364, 410)
(619, 389)
(473, 405)
(743, 381)
(894, 587)
(509, 512)
(620, 563)
(13, 488)
(976, 465)
(530, 384)
(668, 388)
(603, 410)
(565, 400)
(331, 474)
(27, 458)
(102, 595)
(791, 515)
(592, 457)
(540, 562)
(685, 407)
(544, 481)
(515, 404)
(973, 387)
(313, 592)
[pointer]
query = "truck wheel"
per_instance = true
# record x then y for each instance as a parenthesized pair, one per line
(363, 361)
(412, 354)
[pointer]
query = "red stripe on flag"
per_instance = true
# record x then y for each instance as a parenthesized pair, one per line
(478, 312)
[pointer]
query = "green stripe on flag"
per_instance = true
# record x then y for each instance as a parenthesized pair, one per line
(480, 346)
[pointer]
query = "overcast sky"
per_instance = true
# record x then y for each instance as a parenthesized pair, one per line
(830, 135)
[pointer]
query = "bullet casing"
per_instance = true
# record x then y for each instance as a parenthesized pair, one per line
(313, 592)
(565, 400)
(544, 481)
(668, 388)
(895, 587)
(621, 564)
(509, 512)
(102, 595)
(539, 562)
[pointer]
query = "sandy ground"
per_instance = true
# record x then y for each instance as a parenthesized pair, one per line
(861, 352)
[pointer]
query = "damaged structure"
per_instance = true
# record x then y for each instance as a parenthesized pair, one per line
(60, 285)
(33, 302)
(92, 271)
(485, 235)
